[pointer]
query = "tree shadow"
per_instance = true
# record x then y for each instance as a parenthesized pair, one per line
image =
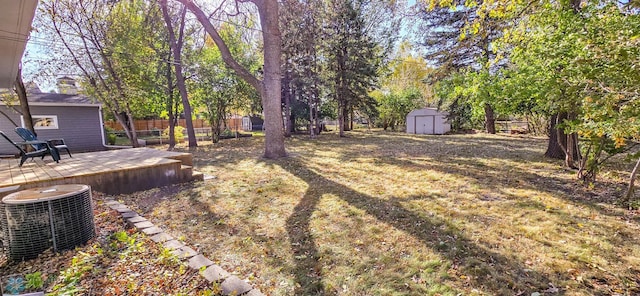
(307, 271)
(489, 271)
(493, 178)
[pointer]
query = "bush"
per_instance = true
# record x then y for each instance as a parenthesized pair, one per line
(111, 135)
(178, 132)
(111, 139)
(227, 133)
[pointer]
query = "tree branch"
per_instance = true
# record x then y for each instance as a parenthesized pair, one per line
(222, 46)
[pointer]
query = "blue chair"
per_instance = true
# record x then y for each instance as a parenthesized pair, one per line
(43, 150)
(56, 144)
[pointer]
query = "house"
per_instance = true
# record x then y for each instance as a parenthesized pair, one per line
(427, 121)
(75, 118)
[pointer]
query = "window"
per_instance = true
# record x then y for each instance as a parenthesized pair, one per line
(41, 122)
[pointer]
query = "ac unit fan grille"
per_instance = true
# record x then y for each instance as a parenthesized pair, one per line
(62, 223)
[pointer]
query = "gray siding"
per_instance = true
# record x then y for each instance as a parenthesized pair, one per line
(78, 126)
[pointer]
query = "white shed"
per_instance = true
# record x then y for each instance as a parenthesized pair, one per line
(427, 121)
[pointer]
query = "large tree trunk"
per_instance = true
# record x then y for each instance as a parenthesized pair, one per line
(176, 47)
(24, 104)
(572, 151)
(554, 148)
(489, 119)
(345, 119)
(561, 145)
(271, 102)
(567, 142)
(270, 87)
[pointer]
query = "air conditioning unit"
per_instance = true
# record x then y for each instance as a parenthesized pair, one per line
(37, 219)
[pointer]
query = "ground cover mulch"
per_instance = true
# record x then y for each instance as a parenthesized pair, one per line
(119, 261)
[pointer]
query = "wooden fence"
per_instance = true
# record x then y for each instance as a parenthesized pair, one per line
(162, 124)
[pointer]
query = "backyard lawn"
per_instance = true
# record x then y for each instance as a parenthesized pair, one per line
(381, 213)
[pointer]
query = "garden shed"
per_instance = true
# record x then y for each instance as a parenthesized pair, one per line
(252, 123)
(75, 118)
(427, 121)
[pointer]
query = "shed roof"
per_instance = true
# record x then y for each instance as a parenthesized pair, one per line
(427, 111)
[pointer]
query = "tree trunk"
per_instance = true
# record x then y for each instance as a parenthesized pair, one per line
(489, 119)
(572, 151)
(271, 90)
(341, 119)
(270, 87)
(570, 145)
(172, 120)
(176, 47)
(317, 120)
(312, 129)
(345, 118)
(123, 119)
(632, 179)
(132, 129)
(24, 103)
(554, 149)
(288, 123)
(351, 118)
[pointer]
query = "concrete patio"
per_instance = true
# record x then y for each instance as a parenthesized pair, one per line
(111, 172)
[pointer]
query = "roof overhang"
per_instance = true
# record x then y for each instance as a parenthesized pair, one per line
(15, 24)
(51, 104)
(44, 104)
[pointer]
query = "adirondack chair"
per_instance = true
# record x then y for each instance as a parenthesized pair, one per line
(56, 144)
(24, 155)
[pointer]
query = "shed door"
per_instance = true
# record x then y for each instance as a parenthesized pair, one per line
(425, 124)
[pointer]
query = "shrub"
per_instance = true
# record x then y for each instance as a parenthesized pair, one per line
(111, 136)
(178, 132)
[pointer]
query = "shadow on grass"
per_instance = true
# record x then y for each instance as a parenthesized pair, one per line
(459, 154)
(489, 271)
(494, 179)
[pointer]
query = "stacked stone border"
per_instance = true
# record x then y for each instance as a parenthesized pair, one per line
(230, 284)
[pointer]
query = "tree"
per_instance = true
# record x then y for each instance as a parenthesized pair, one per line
(458, 36)
(576, 62)
(176, 48)
(301, 88)
(215, 86)
(393, 106)
(353, 59)
(409, 71)
(270, 86)
(403, 89)
(109, 45)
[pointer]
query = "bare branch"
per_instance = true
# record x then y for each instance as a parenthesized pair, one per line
(222, 46)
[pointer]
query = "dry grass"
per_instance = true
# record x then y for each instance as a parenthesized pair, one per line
(393, 214)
